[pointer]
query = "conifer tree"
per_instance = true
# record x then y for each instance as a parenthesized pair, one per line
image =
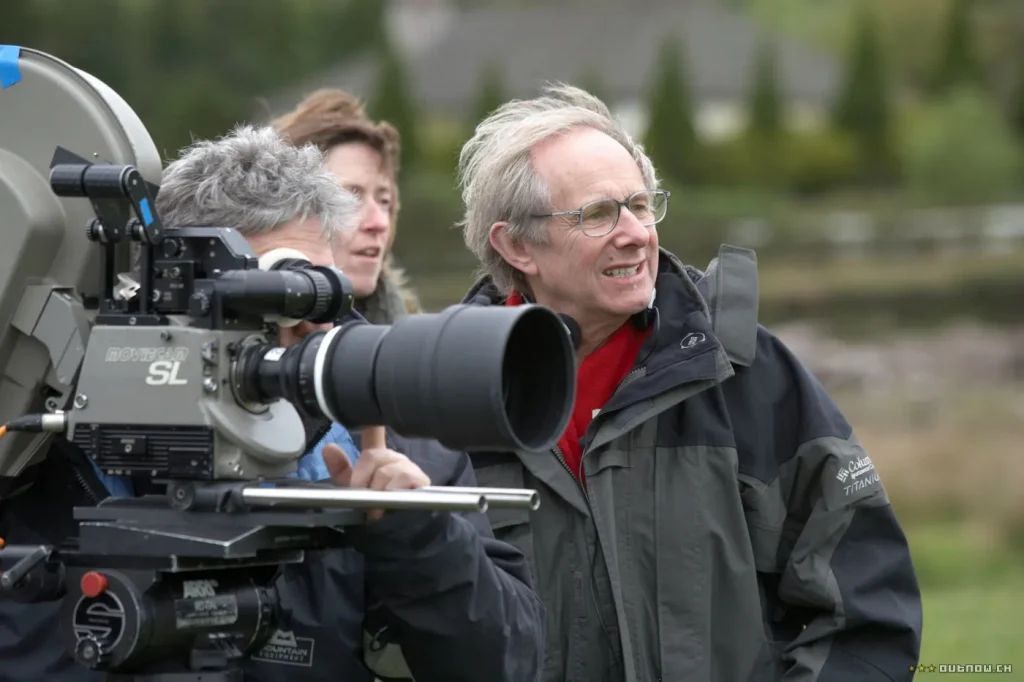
(1017, 105)
(394, 102)
(491, 94)
(862, 107)
(766, 106)
(958, 63)
(670, 139)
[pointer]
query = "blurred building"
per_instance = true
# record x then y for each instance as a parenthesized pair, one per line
(609, 45)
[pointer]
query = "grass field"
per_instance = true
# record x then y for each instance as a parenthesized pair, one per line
(972, 602)
(974, 624)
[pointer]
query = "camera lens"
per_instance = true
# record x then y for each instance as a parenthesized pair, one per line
(471, 377)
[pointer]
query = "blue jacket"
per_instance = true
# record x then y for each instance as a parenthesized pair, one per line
(419, 595)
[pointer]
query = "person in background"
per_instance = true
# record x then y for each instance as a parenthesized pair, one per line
(364, 156)
(709, 514)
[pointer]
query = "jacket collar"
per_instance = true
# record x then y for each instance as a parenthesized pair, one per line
(392, 299)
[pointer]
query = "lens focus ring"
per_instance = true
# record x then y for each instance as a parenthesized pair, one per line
(322, 298)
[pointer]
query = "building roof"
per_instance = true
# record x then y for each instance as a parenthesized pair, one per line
(446, 52)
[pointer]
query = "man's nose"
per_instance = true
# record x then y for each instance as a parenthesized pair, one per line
(630, 231)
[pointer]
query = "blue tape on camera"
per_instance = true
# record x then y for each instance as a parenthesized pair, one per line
(9, 71)
(147, 213)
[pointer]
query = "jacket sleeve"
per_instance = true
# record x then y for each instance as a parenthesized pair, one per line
(846, 569)
(445, 600)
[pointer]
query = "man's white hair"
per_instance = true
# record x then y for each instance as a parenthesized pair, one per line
(254, 181)
(497, 177)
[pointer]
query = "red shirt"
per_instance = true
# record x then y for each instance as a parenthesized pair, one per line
(596, 379)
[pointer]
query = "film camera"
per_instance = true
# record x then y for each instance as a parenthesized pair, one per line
(171, 376)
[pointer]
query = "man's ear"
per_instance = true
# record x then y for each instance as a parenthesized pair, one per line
(515, 252)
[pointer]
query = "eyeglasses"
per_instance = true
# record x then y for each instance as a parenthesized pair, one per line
(600, 217)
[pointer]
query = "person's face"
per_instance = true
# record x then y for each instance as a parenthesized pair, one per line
(305, 236)
(597, 280)
(360, 253)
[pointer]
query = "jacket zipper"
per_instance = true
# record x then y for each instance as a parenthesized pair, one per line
(76, 460)
(578, 476)
(583, 490)
(85, 485)
(561, 458)
(321, 434)
(628, 378)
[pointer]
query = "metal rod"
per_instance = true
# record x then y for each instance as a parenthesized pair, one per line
(366, 499)
(497, 498)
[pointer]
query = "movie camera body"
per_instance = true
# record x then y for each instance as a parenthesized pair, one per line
(175, 379)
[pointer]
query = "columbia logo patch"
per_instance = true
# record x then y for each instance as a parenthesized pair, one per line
(857, 475)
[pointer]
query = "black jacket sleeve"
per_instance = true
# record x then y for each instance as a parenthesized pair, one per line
(849, 607)
(445, 599)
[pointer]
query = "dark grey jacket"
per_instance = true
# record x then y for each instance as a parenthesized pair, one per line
(732, 528)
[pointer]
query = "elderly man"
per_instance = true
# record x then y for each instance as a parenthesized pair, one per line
(420, 595)
(709, 515)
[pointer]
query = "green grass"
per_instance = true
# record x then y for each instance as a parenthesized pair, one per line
(972, 599)
(978, 624)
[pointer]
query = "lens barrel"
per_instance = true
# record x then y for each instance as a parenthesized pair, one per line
(472, 377)
(315, 293)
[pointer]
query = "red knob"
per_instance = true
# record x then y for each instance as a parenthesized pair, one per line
(94, 584)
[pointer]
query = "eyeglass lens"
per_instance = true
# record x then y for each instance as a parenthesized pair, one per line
(602, 216)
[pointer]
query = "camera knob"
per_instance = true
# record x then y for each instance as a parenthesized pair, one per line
(94, 230)
(91, 652)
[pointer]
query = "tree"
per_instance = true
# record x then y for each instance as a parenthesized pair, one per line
(762, 142)
(23, 19)
(394, 102)
(765, 107)
(962, 151)
(958, 63)
(490, 96)
(862, 108)
(1017, 105)
(670, 139)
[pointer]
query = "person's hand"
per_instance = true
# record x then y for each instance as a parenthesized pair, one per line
(377, 468)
